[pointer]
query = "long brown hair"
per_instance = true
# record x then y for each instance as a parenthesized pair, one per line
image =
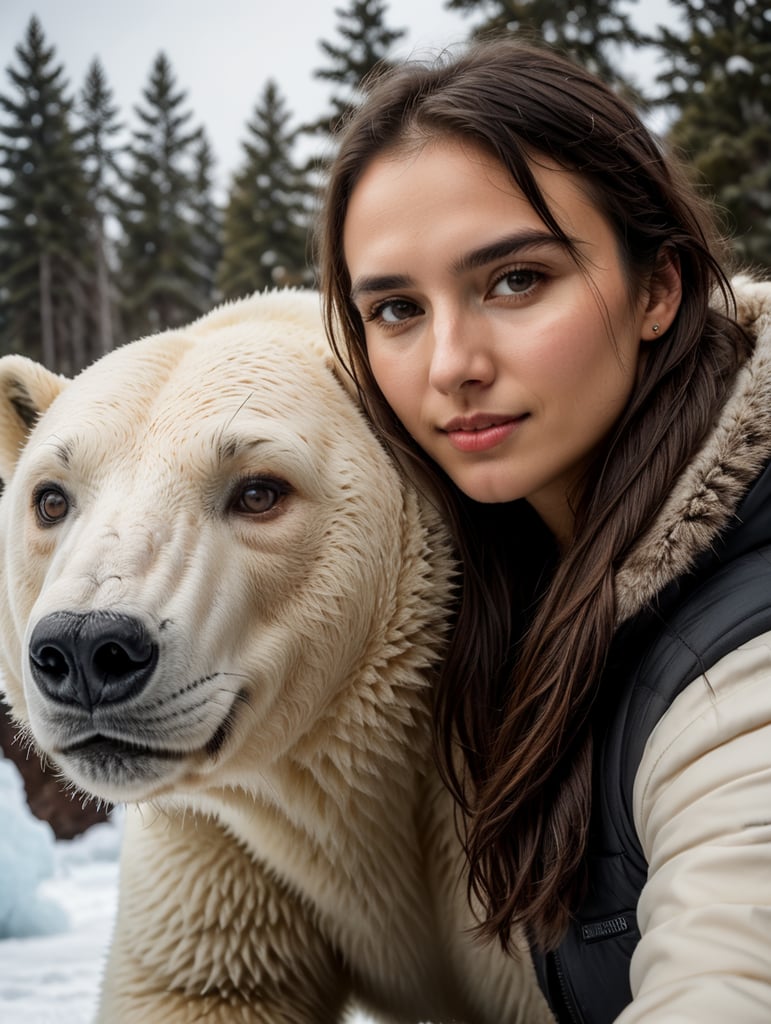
(534, 627)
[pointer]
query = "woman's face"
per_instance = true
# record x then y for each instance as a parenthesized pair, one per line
(505, 361)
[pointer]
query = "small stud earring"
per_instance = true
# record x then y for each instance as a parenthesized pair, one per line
(656, 328)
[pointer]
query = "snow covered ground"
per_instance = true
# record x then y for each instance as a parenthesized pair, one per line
(62, 896)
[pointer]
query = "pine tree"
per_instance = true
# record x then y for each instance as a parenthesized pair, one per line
(100, 126)
(366, 43)
(590, 31)
(206, 219)
(45, 251)
(162, 281)
(717, 79)
(266, 218)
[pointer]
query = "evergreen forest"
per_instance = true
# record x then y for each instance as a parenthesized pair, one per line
(104, 239)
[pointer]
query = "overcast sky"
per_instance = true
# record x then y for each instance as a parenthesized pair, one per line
(223, 51)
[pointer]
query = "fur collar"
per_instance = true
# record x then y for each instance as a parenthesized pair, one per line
(709, 491)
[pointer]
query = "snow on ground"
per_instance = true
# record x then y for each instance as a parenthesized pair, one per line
(53, 978)
(66, 892)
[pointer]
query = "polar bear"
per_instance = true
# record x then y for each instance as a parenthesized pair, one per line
(221, 604)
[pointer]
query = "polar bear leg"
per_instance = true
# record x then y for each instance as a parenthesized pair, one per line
(205, 933)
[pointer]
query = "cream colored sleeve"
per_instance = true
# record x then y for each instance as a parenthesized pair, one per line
(702, 806)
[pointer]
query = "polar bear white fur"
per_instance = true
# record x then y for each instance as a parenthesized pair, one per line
(221, 604)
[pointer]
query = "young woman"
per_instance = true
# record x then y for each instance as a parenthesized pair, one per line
(527, 292)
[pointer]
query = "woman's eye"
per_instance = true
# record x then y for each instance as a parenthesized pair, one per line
(51, 505)
(258, 496)
(517, 282)
(394, 311)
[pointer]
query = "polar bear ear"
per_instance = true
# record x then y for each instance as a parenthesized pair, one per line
(26, 391)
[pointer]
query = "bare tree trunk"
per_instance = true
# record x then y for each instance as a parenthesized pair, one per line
(78, 349)
(47, 339)
(104, 306)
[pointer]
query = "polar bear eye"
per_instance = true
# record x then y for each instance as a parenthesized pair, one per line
(51, 505)
(255, 497)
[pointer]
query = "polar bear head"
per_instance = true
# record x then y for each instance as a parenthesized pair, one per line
(201, 544)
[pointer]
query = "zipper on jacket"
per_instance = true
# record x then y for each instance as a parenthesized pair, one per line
(566, 1002)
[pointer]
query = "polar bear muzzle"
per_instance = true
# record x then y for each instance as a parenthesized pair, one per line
(85, 659)
(93, 669)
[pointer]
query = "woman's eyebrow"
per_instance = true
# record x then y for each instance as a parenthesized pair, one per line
(509, 245)
(379, 283)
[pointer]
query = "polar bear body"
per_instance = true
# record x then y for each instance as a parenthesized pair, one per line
(222, 604)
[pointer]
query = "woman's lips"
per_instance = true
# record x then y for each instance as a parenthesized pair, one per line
(480, 433)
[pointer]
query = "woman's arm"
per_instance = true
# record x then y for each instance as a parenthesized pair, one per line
(703, 813)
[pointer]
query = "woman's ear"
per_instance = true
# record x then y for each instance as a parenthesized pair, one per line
(664, 294)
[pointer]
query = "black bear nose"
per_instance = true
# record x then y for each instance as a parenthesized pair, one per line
(91, 658)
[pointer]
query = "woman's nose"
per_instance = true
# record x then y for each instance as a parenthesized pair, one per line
(460, 354)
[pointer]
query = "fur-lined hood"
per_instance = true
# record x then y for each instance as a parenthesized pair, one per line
(710, 490)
